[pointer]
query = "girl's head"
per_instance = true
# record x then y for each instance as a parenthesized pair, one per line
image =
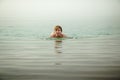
(58, 28)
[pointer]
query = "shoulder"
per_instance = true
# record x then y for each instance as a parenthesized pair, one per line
(64, 36)
(52, 34)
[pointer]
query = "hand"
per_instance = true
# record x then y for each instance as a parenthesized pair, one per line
(59, 35)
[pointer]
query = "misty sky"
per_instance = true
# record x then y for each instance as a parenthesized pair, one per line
(51, 12)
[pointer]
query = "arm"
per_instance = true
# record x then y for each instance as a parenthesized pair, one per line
(57, 35)
(52, 34)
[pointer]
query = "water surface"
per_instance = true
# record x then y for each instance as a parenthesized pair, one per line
(92, 58)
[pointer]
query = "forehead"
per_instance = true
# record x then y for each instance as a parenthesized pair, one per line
(57, 28)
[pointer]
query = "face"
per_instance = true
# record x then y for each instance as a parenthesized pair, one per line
(58, 31)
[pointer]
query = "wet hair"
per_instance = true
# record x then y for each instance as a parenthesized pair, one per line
(58, 27)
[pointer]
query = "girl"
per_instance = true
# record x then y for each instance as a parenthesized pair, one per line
(57, 32)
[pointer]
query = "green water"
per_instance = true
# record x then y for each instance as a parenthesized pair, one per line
(38, 33)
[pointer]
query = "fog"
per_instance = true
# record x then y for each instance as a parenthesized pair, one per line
(35, 13)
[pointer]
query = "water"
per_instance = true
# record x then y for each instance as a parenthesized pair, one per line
(29, 54)
(91, 51)
(43, 32)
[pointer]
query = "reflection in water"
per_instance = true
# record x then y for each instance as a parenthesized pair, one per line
(58, 47)
(58, 51)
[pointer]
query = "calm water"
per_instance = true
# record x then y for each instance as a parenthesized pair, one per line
(92, 51)
(27, 54)
(43, 32)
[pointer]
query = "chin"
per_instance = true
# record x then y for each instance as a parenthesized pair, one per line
(58, 36)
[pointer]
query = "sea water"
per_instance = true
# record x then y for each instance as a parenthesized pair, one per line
(29, 54)
(91, 51)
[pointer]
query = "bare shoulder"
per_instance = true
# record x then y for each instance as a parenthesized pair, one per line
(64, 36)
(52, 34)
